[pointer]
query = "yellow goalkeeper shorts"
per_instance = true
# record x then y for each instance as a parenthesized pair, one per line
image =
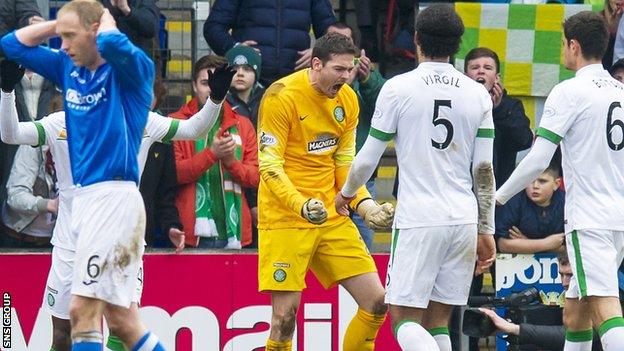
(333, 253)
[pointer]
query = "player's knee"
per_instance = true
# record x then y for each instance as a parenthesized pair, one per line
(379, 306)
(118, 330)
(572, 320)
(119, 325)
(285, 322)
(78, 315)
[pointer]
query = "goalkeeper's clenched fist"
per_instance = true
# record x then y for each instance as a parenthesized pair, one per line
(314, 211)
(376, 216)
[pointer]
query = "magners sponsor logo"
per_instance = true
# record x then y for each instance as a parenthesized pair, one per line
(322, 145)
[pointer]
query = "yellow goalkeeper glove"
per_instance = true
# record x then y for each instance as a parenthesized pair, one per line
(376, 216)
(314, 211)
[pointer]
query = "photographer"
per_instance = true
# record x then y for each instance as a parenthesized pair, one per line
(548, 337)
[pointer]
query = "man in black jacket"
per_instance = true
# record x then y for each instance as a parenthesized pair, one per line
(511, 125)
(159, 187)
(280, 30)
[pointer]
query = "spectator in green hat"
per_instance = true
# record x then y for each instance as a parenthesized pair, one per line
(246, 92)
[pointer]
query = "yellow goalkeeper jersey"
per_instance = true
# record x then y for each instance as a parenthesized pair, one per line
(306, 146)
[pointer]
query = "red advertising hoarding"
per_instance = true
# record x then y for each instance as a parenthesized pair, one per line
(199, 302)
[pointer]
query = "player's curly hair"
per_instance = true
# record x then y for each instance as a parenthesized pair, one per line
(333, 44)
(590, 31)
(438, 31)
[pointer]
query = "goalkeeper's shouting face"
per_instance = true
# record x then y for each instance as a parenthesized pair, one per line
(332, 62)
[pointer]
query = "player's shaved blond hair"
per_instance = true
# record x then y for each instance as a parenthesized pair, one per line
(88, 11)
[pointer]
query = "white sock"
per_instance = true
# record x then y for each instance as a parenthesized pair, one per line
(577, 346)
(578, 340)
(443, 341)
(612, 334)
(411, 336)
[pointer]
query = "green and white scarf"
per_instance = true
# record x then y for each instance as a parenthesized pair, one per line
(218, 202)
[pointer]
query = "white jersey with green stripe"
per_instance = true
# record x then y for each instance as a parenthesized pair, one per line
(435, 114)
(52, 132)
(586, 115)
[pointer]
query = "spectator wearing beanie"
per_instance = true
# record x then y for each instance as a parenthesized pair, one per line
(246, 91)
(244, 97)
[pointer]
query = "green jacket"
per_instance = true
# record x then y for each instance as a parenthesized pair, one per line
(367, 93)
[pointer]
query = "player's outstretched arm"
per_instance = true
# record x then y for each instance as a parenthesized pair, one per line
(363, 166)
(530, 168)
(11, 130)
(200, 123)
(165, 129)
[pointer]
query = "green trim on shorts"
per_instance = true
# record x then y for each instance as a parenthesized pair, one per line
(378, 134)
(41, 135)
(173, 129)
(395, 239)
(579, 336)
(438, 331)
(609, 324)
(580, 272)
(404, 321)
(548, 135)
(485, 133)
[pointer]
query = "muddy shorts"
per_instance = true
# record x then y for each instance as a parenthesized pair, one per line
(109, 220)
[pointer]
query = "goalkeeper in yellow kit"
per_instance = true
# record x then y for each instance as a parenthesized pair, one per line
(307, 142)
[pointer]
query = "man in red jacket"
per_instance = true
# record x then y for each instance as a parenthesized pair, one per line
(213, 169)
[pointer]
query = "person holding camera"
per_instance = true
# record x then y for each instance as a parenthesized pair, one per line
(549, 337)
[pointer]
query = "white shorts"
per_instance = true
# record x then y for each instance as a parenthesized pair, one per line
(431, 264)
(595, 257)
(63, 236)
(57, 294)
(109, 218)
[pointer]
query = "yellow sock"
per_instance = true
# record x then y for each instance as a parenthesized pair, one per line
(278, 345)
(362, 331)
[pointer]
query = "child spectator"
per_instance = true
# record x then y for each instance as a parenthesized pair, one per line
(532, 221)
(246, 91)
